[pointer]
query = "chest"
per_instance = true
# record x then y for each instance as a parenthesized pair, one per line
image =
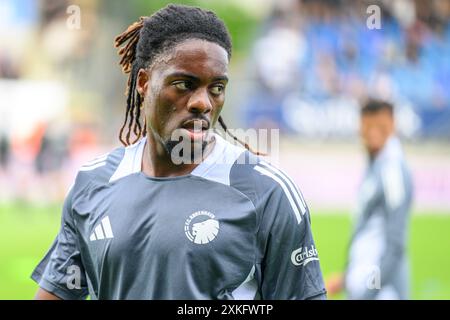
(153, 223)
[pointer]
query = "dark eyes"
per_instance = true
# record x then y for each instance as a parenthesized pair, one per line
(183, 85)
(217, 89)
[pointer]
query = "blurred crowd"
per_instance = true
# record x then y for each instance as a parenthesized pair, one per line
(314, 57)
(48, 109)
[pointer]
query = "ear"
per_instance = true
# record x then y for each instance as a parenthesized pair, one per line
(142, 82)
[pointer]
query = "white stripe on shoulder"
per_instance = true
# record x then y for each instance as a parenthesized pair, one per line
(293, 187)
(131, 161)
(290, 179)
(97, 160)
(92, 167)
(95, 163)
(285, 189)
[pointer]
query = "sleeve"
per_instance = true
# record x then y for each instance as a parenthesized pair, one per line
(290, 267)
(61, 271)
(396, 205)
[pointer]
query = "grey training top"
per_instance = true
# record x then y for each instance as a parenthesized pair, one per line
(377, 262)
(235, 228)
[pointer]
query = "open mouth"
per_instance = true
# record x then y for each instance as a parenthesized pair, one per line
(196, 125)
(196, 129)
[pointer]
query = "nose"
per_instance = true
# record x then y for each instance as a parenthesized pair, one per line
(199, 101)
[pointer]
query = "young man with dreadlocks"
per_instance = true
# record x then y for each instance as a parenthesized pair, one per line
(139, 224)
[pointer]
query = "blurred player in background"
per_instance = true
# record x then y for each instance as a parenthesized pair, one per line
(377, 265)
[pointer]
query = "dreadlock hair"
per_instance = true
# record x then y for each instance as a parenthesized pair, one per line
(144, 40)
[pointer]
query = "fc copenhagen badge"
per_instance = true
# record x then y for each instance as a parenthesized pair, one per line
(201, 227)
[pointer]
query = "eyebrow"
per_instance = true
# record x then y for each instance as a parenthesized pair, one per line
(193, 77)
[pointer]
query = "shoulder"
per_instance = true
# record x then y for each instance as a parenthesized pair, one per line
(391, 164)
(235, 167)
(109, 167)
(392, 155)
(393, 175)
(273, 193)
(254, 176)
(267, 186)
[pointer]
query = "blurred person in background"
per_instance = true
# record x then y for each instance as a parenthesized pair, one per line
(50, 162)
(377, 263)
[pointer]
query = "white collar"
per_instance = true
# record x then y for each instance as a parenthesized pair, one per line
(221, 158)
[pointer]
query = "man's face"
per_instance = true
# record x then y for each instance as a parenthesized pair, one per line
(375, 130)
(185, 87)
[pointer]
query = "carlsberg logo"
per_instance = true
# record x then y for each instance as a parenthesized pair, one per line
(303, 256)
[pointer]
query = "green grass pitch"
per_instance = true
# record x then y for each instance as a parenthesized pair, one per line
(26, 232)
